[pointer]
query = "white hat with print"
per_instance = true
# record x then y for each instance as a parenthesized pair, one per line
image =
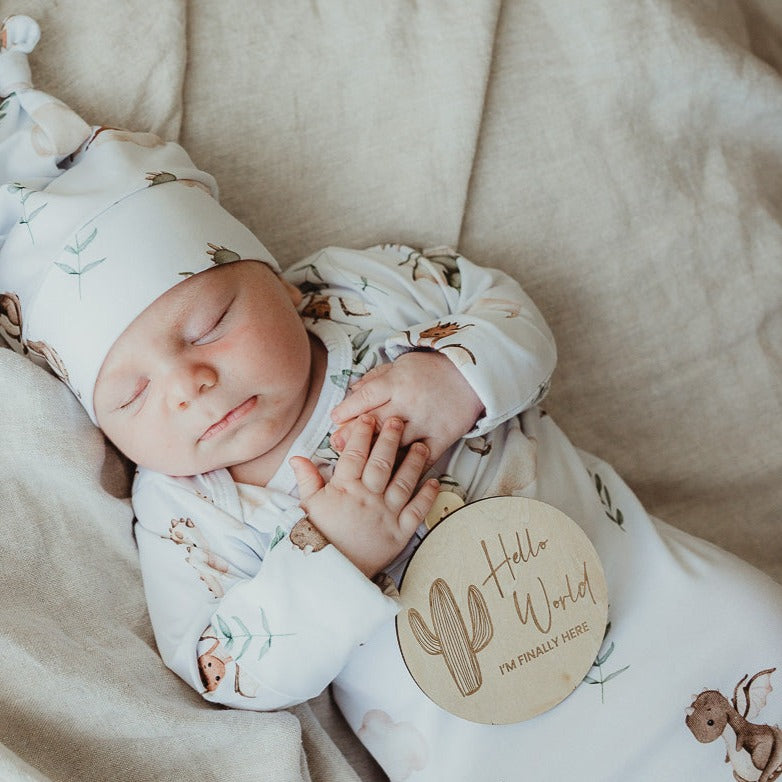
(93, 236)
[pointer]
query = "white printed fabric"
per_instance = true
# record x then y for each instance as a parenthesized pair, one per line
(251, 621)
(75, 265)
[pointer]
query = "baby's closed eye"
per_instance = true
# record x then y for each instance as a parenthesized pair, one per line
(212, 330)
(135, 396)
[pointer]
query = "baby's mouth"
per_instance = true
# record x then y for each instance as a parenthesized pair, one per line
(229, 418)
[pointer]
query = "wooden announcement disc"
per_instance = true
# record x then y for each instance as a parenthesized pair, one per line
(504, 610)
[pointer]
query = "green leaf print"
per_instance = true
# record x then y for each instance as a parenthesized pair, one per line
(26, 217)
(366, 285)
(247, 636)
(264, 622)
(268, 644)
(35, 212)
(77, 249)
(279, 534)
(615, 514)
(86, 243)
(361, 344)
(359, 339)
(242, 633)
(343, 378)
(311, 267)
(224, 628)
(599, 662)
(91, 265)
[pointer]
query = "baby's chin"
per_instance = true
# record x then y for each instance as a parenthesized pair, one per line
(187, 469)
(177, 468)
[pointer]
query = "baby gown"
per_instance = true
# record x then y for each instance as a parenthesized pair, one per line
(687, 621)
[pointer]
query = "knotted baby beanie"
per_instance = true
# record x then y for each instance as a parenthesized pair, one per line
(95, 224)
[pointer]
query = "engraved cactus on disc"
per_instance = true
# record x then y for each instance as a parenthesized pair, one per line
(450, 637)
(504, 610)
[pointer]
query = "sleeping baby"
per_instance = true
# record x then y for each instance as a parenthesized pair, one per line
(292, 432)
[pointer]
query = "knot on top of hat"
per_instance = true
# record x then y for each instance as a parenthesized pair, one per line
(18, 37)
(19, 33)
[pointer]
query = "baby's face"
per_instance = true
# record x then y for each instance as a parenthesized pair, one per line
(212, 374)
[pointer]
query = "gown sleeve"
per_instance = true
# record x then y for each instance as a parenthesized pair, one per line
(244, 615)
(479, 317)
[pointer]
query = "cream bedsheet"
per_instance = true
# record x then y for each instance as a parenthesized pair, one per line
(623, 160)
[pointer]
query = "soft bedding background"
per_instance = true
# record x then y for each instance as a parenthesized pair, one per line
(622, 159)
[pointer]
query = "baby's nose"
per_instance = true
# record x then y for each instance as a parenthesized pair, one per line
(191, 381)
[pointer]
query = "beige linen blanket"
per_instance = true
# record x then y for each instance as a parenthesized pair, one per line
(622, 159)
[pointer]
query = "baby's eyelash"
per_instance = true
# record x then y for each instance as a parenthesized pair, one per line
(136, 395)
(219, 320)
(215, 324)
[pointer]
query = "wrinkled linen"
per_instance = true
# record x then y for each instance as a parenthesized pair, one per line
(622, 162)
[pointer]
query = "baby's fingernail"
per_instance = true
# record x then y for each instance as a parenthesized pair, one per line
(367, 419)
(395, 423)
(337, 442)
(420, 448)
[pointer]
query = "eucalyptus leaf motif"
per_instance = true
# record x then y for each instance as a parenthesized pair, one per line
(235, 631)
(224, 628)
(615, 515)
(279, 534)
(600, 679)
(26, 218)
(76, 249)
(35, 212)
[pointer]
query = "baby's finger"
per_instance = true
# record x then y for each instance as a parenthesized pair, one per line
(437, 448)
(402, 485)
(373, 374)
(340, 437)
(415, 511)
(350, 464)
(307, 476)
(382, 457)
(362, 399)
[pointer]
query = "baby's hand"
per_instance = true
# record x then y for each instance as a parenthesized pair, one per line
(369, 509)
(423, 388)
